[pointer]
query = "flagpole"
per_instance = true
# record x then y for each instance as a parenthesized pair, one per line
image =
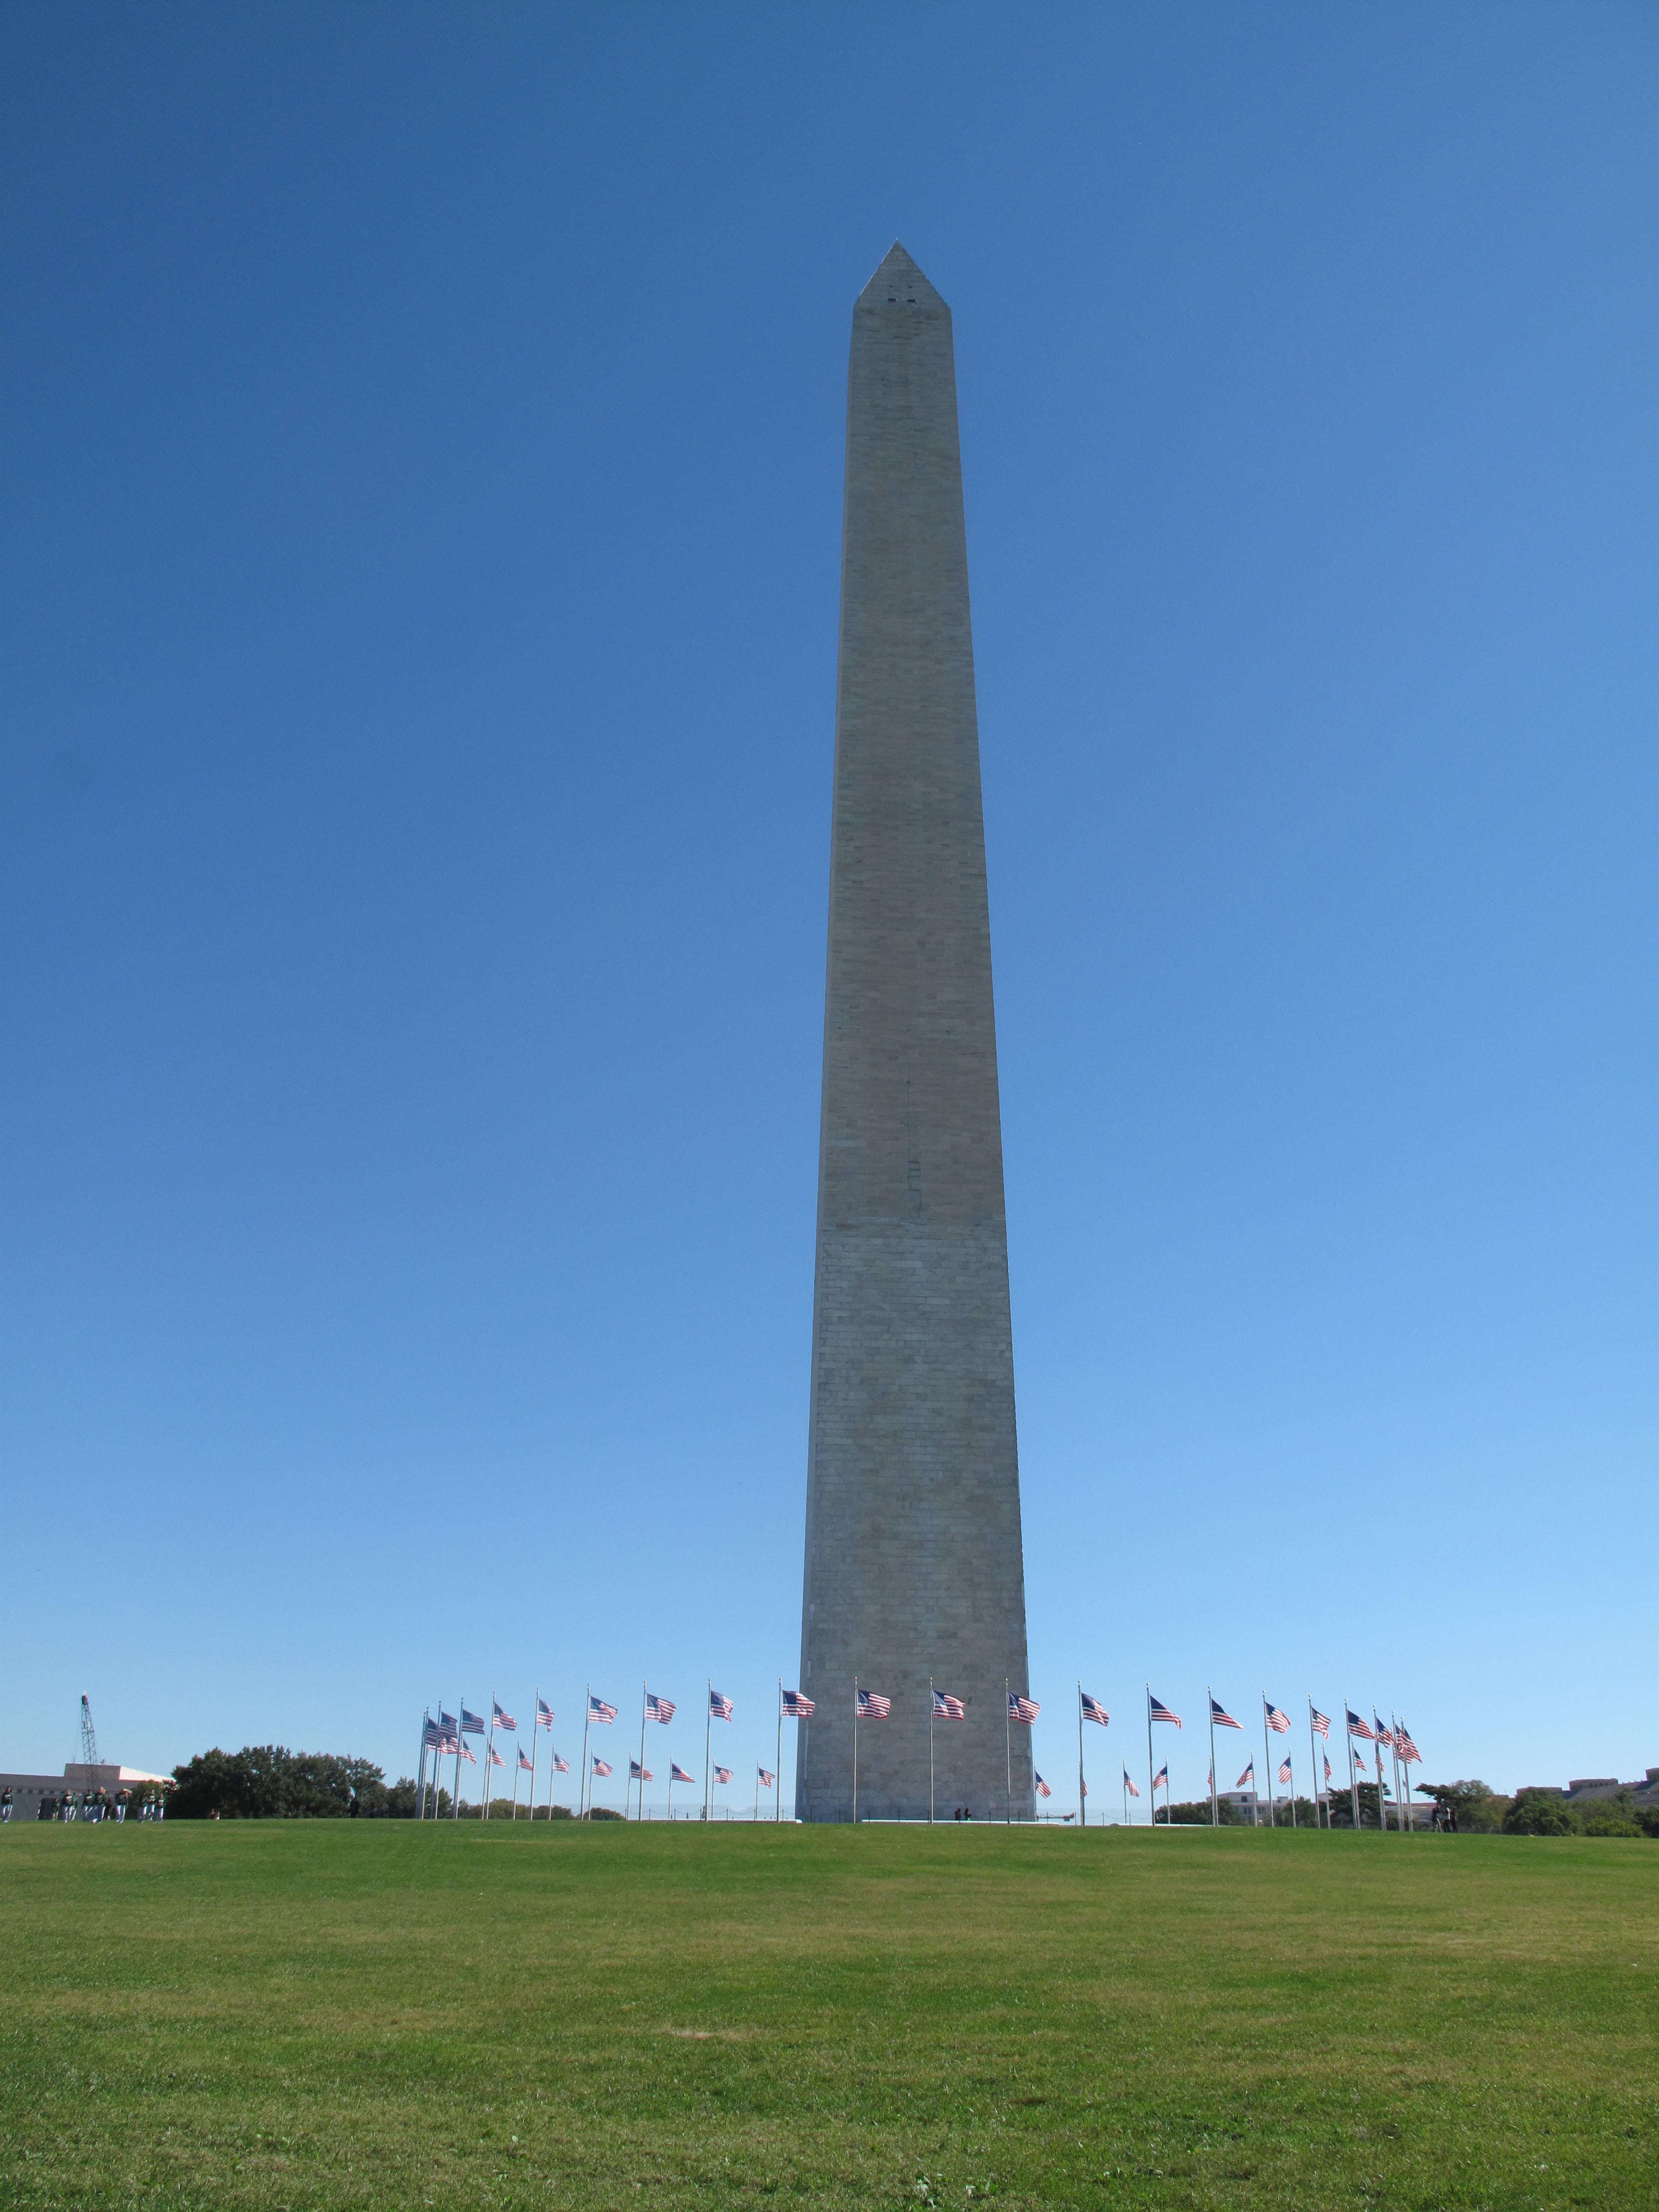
(643, 1693)
(490, 1761)
(1313, 1757)
(1007, 1756)
(1126, 1796)
(1402, 1774)
(535, 1751)
(461, 1716)
(855, 1750)
(1082, 1794)
(420, 1799)
(1267, 1759)
(1214, 1817)
(777, 1777)
(1287, 1760)
(517, 1755)
(930, 1751)
(1354, 1786)
(1150, 1791)
(758, 1793)
(581, 1790)
(708, 1737)
(1381, 1813)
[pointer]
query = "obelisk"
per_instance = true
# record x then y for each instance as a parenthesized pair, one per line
(914, 1563)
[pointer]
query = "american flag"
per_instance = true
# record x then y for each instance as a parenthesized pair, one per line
(1221, 1718)
(872, 1706)
(677, 1773)
(471, 1724)
(449, 1743)
(1129, 1785)
(638, 1773)
(1284, 1770)
(1327, 1770)
(1408, 1750)
(1042, 1788)
(1382, 1735)
(560, 1765)
(947, 1708)
(1321, 1721)
(495, 1759)
(719, 1705)
(1276, 1720)
(599, 1710)
(524, 1766)
(766, 1779)
(1357, 1727)
(465, 1750)
(1023, 1709)
(544, 1713)
(1159, 1711)
(432, 1734)
(503, 1720)
(600, 1766)
(1248, 1775)
(1093, 1709)
(797, 1708)
(446, 1721)
(1163, 1776)
(722, 1774)
(658, 1709)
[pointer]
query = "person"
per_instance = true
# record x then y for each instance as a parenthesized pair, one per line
(5, 1805)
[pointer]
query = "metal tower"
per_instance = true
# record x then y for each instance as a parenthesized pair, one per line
(88, 1734)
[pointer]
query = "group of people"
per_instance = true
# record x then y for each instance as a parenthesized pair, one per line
(90, 1805)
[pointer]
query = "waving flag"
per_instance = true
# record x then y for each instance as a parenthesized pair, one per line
(1276, 1720)
(1327, 1770)
(599, 1710)
(1163, 1776)
(1220, 1718)
(465, 1750)
(1093, 1709)
(638, 1773)
(720, 1706)
(432, 1733)
(447, 1722)
(722, 1774)
(1042, 1788)
(600, 1766)
(1284, 1770)
(1383, 1737)
(1321, 1721)
(1248, 1775)
(471, 1724)
(873, 1707)
(1023, 1709)
(495, 1759)
(1408, 1750)
(560, 1765)
(948, 1709)
(544, 1713)
(677, 1773)
(503, 1720)
(524, 1766)
(1357, 1727)
(797, 1708)
(1159, 1711)
(658, 1709)
(1129, 1785)
(766, 1779)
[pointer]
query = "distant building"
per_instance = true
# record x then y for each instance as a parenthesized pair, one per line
(77, 1781)
(1593, 1788)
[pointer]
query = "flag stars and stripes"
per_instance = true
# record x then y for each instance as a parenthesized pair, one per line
(1094, 1710)
(947, 1708)
(1158, 1710)
(872, 1706)
(719, 1705)
(1023, 1709)
(1221, 1718)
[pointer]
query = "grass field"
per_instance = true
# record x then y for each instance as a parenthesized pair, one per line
(379, 2015)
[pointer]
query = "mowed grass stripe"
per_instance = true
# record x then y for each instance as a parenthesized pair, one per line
(333, 2014)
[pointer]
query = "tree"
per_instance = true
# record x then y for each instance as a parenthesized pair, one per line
(268, 1782)
(1540, 1813)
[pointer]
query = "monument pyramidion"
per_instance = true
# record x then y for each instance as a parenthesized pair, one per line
(914, 1578)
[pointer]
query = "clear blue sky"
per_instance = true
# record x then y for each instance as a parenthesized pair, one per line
(422, 447)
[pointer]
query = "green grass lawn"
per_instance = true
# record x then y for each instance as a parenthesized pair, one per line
(383, 2014)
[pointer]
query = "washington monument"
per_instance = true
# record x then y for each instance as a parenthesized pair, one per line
(914, 1564)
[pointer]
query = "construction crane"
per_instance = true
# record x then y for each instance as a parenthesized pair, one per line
(88, 1734)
